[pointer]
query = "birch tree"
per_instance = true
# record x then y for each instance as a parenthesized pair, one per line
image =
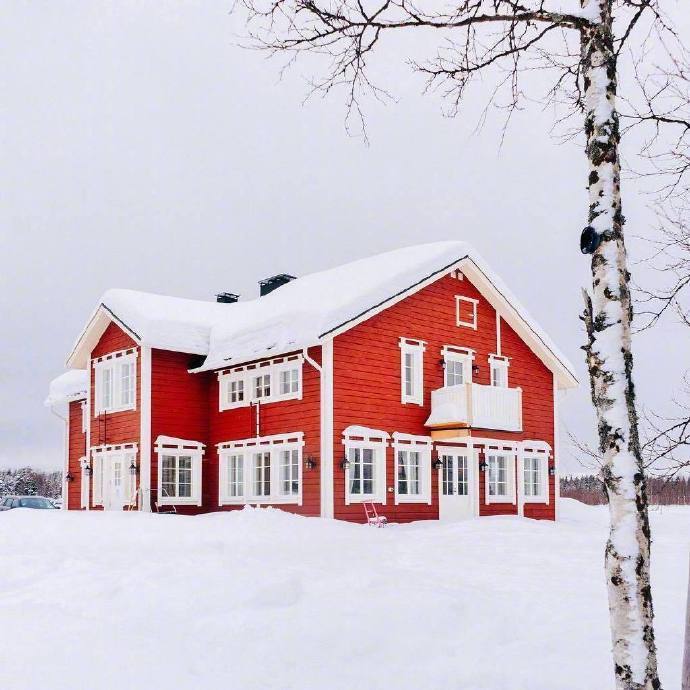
(580, 49)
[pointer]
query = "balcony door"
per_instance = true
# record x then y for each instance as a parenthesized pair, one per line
(457, 485)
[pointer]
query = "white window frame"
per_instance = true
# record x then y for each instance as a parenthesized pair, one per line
(540, 451)
(84, 416)
(403, 443)
(510, 496)
(113, 363)
(128, 452)
(247, 375)
(275, 445)
(359, 438)
(474, 302)
(415, 349)
(180, 448)
(464, 355)
(498, 363)
(84, 488)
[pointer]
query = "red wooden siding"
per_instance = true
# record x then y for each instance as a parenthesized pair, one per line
(76, 449)
(275, 418)
(115, 427)
(367, 384)
(180, 408)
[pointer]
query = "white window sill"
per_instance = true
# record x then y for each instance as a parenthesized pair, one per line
(265, 501)
(179, 501)
(112, 410)
(358, 498)
(264, 401)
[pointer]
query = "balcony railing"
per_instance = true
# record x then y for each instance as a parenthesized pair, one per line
(474, 405)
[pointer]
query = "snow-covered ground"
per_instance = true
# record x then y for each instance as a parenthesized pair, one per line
(262, 599)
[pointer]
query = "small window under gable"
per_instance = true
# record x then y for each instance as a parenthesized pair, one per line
(466, 311)
(499, 370)
(412, 371)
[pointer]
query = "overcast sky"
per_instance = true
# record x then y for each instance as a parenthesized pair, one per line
(141, 148)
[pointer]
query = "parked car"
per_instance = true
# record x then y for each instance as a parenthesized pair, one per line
(37, 502)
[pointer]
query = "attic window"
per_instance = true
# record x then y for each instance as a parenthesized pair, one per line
(466, 311)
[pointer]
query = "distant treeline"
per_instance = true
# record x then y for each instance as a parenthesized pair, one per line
(28, 482)
(590, 490)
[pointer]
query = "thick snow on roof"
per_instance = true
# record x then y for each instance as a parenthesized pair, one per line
(297, 314)
(168, 323)
(71, 385)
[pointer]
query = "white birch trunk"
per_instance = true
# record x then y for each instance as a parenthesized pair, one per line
(609, 358)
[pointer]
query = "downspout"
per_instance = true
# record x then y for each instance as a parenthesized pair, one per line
(65, 469)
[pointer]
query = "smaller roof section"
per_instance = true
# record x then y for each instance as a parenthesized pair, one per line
(72, 385)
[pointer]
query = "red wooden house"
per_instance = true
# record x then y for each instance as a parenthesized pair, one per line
(413, 379)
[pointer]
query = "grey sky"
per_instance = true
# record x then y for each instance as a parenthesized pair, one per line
(142, 149)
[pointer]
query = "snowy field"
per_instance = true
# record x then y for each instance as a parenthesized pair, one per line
(262, 599)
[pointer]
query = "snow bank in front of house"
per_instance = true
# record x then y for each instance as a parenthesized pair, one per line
(259, 599)
(71, 385)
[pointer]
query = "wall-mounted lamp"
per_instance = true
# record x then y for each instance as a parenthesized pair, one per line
(482, 466)
(69, 477)
(133, 469)
(88, 471)
(438, 464)
(344, 463)
(310, 463)
(442, 362)
(475, 369)
(552, 471)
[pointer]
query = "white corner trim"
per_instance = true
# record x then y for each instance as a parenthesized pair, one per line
(498, 333)
(556, 452)
(326, 464)
(145, 431)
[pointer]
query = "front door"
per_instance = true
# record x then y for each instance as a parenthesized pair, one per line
(114, 482)
(457, 490)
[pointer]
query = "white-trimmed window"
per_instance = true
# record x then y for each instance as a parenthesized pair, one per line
(466, 311)
(365, 466)
(535, 472)
(261, 470)
(179, 471)
(499, 371)
(412, 371)
(265, 382)
(84, 416)
(116, 382)
(412, 468)
(457, 362)
(500, 477)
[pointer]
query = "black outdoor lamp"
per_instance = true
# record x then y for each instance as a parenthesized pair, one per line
(69, 477)
(310, 463)
(552, 471)
(438, 464)
(482, 466)
(133, 469)
(344, 463)
(88, 471)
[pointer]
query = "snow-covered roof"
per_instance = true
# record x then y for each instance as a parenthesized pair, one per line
(304, 311)
(71, 385)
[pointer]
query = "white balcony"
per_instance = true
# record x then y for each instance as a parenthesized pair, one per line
(474, 405)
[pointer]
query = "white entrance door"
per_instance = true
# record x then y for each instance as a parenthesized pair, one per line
(457, 490)
(114, 482)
